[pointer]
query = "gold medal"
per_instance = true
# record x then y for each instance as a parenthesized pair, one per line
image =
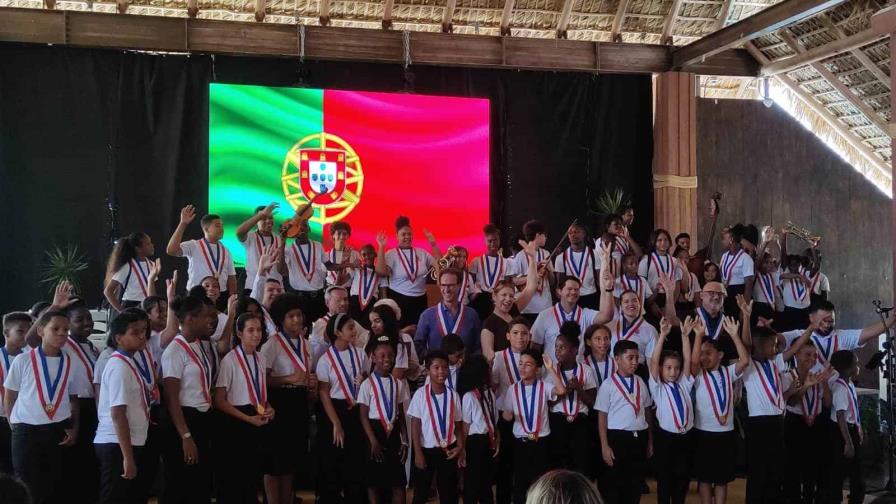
(531, 436)
(570, 418)
(49, 408)
(723, 419)
(388, 427)
(443, 444)
(260, 409)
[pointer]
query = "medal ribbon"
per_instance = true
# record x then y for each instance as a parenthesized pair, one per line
(570, 263)
(510, 364)
(767, 287)
(83, 356)
(409, 263)
(811, 404)
(771, 381)
(530, 425)
(797, 289)
(130, 364)
(571, 404)
(826, 350)
(853, 402)
(622, 244)
(663, 264)
(462, 292)
(444, 433)
(147, 371)
(346, 381)
(298, 354)
(261, 243)
(628, 390)
(205, 371)
(332, 275)
(255, 384)
(713, 327)
(385, 404)
(560, 315)
(680, 410)
(4, 368)
(623, 333)
(366, 284)
(637, 288)
(142, 278)
(306, 263)
(491, 276)
(51, 405)
(443, 319)
(728, 263)
(813, 282)
(718, 396)
(485, 403)
(609, 368)
(215, 264)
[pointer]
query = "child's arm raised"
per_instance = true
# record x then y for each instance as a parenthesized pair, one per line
(187, 214)
(699, 332)
(653, 365)
(743, 356)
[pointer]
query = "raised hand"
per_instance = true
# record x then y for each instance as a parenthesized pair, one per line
(63, 294)
(268, 257)
(231, 303)
(269, 210)
(187, 214)
(607, 282)
(171, 286)
(381, 239)
(688, 325)
(745, 307)
(665, 327)
(530, 248)
(666, 282)
(155, 267)
(731, 326)
(429, 237)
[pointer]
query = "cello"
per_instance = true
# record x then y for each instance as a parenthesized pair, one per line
(696, 261)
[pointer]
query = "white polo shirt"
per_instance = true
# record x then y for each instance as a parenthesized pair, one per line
(580, 265)
(305, 262)
(29, 409)
(625, 410)
(639, 330)
(84, 356)
(474, 411)
(489, 270)
(410, 269)
(735, 267)
(342, 377)
(190, 364)
(448, 404)
(284, 356)
(762, 381)
(826, 345)
(674, 414)
(570, 404)
(513, 401)
(652, 263)
(254, 245)
(707, 405)
(121, 385)
(336, 257)
(133, 277)
(547, 326)
(233, 378)
(845, 398)
(541, 300)
(794, 293)
(396, 392)
(207, 259)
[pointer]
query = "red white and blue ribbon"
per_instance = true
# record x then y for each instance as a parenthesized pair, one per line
(635, 285)
(561, 316)
(490, 275)
(729, 261)
(810, 402)
(662, 263)
(487, 404)
(719, 393)
(767, 286)
(409, 264)
(306, 261)
(442, 319)
(200, 359)
(713, 327)
(4, 368)
(144, 397)
(147, 370)
(578, 270)
(261, 243)
(510, 365)
(444, 431)
(297, 354)
(770, 378)
(681, 408)
(346, 379)
(55, 388)
(530, 416)
(366, 286)
(255, 378)
(86, 359)
(142, 276)
(609, 366)
(831, 345)
(214, 260)
(571, 405)
(630, 388)
(626, 330)
(385, 400)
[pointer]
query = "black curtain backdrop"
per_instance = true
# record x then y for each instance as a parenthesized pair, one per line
(97, 143)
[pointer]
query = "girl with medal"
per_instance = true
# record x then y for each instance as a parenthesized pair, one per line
(623, 405)
(483, 440)
(406, 267)
(380, 398)
(671, 384)
(15, 327)
(630, 280)
(766, 399)
(766, 293)
(737, 270)
(187, 426)
(365, 287)
(384, 323)
(130, 273)
(571, 429)
(241, 398)
(845, 433)
(124, 399)
(39, 396)
(805, 433)
(715, 442)
(527, 403)
(660, 263)
(580, 261)
(340, 438)
(436, 433)
(614, 238)
(292, 387)
(341, 259)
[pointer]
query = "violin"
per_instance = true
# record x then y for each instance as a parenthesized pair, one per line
(293, 227)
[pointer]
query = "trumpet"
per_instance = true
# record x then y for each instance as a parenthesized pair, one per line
(802, 233)
(445, 261)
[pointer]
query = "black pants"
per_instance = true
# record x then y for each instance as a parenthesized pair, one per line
(411, 307)
(238, 458)
(113, 488)
(842, 467)
(671, 463)
(312, 305)
(530, 461)
(342, 469)
(152, 452)
(590, 301)
(445, 472)
(187, 484)
(5, 447)
(622, 483)
(37, 460)
(504, 469)
(82, 469)
(480, 470)
(765, 454)
(806, 449)
(570, 443)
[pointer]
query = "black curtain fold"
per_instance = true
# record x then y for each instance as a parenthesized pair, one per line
(97, 143)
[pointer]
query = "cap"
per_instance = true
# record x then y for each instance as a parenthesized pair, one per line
(715, 287)
(391, 304)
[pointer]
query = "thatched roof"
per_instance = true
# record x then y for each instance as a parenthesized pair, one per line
(846, 95)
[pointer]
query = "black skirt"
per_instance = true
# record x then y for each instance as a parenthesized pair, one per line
(390, 472)
(286, 439)
(714, 456)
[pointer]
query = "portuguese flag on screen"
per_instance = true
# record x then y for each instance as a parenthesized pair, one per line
(363, 157)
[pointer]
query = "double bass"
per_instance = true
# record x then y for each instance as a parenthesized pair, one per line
(696, 261)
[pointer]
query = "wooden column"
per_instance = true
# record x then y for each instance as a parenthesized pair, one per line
(884, 23)
(675, 154)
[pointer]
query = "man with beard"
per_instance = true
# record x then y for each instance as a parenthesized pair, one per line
(255, 242)
(710, 312)
(336, 300)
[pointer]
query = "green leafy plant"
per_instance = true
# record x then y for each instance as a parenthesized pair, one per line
(611, 201)
(63, 263)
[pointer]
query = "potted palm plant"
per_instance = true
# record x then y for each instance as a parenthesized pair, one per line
(63, 264)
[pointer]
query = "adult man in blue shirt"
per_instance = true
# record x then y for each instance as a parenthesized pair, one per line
(448, 317)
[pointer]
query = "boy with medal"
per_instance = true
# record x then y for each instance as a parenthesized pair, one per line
(40, 399)
(256, 242)
(671, 384)
(625, 438)
(15, 327)
(715, 439)
(380, 398)
(366, 286)
(489, 269)
(205, 257)
(579, 261)
(303, 262)
(437, 433)
(845, 434)
(571, 432)
(241, 396)
(534, 232)
(527, 403)
(341, 259)
(483, 440)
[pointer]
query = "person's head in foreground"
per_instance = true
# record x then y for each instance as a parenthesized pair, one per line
(563, 487)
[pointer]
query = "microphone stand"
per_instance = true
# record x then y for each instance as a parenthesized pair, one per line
(889, 488)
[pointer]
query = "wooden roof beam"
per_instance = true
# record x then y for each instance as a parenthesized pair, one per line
(724, 12)
(616, 31)
(388, 5)
(324, 12)
(669, 22)
(506, 16)
(822, 52)
(757, 25)
(858, 53)
(447, 25)
(835, 82)
(563, 18)
(259, 10)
